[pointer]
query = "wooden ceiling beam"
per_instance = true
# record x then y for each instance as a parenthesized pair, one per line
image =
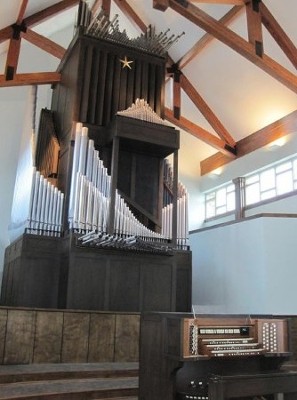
(254, 25)
(130, 14)
(176, 95)
(37, 78)
(22, 12)
(44, 43)
(5, 33)
(278, 34)
(255, 141)
(206, 111)
(235, 42)
(234, 2)
(104, 4)
(49, 12)
(13, 55)
(207, 38)
(200, 133)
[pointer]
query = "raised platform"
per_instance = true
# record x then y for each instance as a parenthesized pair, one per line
(69, 381)
(51, 272)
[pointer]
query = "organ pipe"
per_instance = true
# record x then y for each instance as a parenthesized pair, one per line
(90, 199)
(46, 207)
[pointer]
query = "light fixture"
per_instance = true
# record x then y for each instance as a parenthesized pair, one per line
(217, 172)
(277, 143)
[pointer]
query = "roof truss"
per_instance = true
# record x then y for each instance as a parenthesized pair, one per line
(252, 49)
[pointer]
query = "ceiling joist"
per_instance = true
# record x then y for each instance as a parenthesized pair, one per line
(104, 4)
(254, 25)
(257, 140)
(206, 111)
(44, 43)
(38, 78)
(207, 38)
(280, 36)
(130, 14)
(22, 11)
(231, 39)
(49, 12)
(234, 2)
(201, 134)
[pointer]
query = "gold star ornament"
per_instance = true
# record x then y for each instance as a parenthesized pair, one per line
(126, 63)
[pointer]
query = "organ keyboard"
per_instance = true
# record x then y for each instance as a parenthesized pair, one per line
(220, 338)
(182, 357)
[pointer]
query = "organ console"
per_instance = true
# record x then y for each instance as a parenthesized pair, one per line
(185, 357)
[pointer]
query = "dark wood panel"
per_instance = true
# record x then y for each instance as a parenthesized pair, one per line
(101, 339)
(123, 88)
(127, 338)
(75, 337)
(124, 285)
(130, 99)
(111, 61)
(101, 88)
(86, 79)
(90, 279)
(92, 100)
(157, 281)
(3, 322)
(152, 88)
(19, 337)
(137, 84)
(86, 281)
(48, 337)
(144, 80)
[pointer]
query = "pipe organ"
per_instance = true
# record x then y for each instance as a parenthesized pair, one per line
(192, 357)
(117, 215)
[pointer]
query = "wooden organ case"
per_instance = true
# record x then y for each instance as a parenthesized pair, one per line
(106, 112)
(214, 357)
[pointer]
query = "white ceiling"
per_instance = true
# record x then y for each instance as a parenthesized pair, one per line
(242, 96)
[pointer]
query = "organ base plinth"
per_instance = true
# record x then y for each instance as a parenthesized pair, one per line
(51, 272)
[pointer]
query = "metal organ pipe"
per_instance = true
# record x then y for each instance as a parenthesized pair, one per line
(90, 202)
(46, 207)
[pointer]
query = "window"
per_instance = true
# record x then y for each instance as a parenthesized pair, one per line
(220, 201)
(273, 181)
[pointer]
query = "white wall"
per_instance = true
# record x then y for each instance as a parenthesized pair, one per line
(247, 267)
(250, 266)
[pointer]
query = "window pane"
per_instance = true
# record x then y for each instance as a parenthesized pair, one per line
(231, 201)
(230, 188)
(295, 169)
(210, 209)
(252, 194)
(221, 197)
(252, 179)
(267, 180)
(221, 210)
(210, 196)
(268, 194)
(284, 182)
(283, 167)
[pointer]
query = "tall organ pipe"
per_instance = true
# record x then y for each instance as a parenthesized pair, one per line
(90, 201)
(46, 207)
